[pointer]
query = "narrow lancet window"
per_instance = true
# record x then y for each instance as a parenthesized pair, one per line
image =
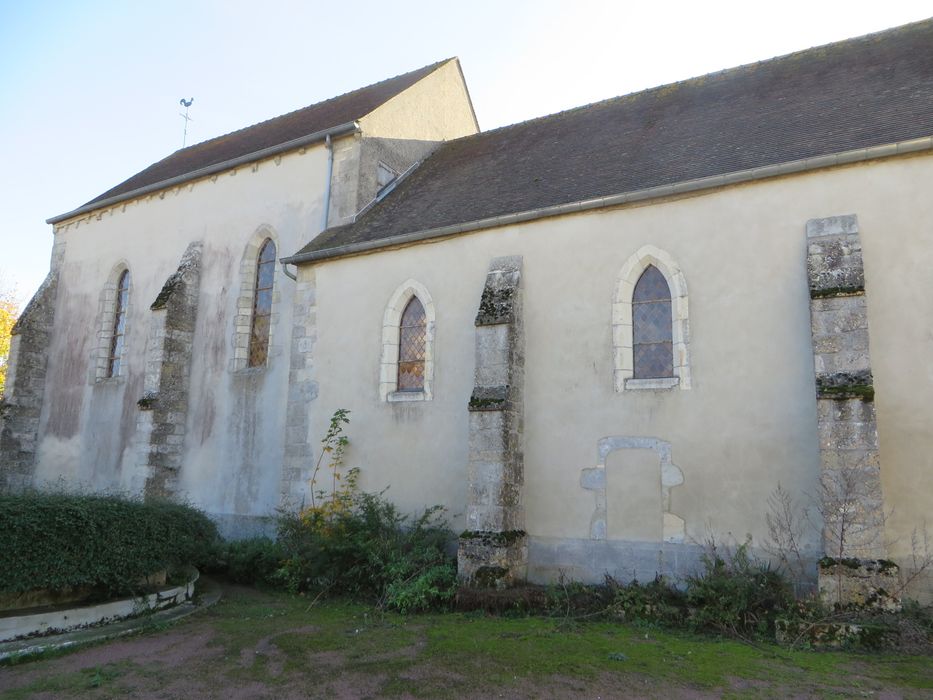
(412, 342)
(262, 305)
(652, 325)
(119, 325)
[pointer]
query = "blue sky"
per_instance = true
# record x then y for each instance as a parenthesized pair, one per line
(89, 90)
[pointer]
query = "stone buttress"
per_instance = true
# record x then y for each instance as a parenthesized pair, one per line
(494, 551)
(162, 421)
(21, 408)
(850, 501)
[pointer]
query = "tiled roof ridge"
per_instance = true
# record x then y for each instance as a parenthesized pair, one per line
(696, 79)
(428, 69)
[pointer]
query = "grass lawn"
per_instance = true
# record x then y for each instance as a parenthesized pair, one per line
(270, 645)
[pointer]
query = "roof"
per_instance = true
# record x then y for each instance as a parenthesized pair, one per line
(854, 94)
(257, 139)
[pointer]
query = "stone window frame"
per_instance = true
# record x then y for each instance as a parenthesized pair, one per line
(107, 306)
(388, 367)
(243, 320)
(622, 332)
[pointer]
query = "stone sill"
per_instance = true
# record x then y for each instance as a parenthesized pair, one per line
(653, 384)
(402, 396)
(103, 381)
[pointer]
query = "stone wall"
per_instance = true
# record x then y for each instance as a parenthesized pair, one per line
(494, 551)
(163, 415)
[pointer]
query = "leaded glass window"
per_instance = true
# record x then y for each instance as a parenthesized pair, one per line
(262, 305)
(652, 325)
(412, 343)
(119, 325)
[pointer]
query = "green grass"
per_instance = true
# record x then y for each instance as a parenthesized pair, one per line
(284, 643)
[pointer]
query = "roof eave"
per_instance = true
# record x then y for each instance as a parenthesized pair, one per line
(339, 130)
(686, 186)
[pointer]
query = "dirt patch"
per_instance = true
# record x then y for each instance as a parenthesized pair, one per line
(266, 648)
(604, 686)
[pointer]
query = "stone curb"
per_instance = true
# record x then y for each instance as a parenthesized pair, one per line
(78, 638)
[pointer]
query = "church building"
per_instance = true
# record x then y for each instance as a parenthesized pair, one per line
(598, 338)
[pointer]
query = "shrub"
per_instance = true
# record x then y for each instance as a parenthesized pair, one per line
(737, 594)
(55, 541)
(358, 544)
(367, 549)
(656, 602)
(252, 561)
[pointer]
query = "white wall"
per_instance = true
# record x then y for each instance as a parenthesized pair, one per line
(236, 420)
(749, 420)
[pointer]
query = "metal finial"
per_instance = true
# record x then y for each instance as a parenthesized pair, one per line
(186, 104)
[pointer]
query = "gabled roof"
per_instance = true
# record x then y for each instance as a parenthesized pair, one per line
(855, 94)
(258, 139)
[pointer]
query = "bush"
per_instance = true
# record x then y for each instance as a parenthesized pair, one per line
(56, 541)
(737, 594)
(657, 602)
(361, 546)
(252, 561)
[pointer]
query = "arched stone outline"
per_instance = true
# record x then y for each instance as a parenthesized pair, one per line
(107, 306)
(243, 321)
(594, 479)
(388, 367)
(622, 337)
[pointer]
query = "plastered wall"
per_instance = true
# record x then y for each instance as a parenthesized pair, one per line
(747, 423)
(235, 422)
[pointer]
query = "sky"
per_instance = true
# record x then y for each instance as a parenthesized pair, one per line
(90, 89)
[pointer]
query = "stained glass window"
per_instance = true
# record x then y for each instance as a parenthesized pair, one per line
(652, 326)
(119, 325)
(412, 341)
(262, 305)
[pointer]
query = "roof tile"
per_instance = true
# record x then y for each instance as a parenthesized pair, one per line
(849, 95)
(273, 132)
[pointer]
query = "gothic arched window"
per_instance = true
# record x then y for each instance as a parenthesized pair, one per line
(412, 343)
(652, 323)
(118, 332)
(262, 305)
(406, 370)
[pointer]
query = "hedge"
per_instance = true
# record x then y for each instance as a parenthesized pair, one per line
(53, 541)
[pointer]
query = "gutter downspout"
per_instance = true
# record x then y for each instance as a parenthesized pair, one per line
(330, 173)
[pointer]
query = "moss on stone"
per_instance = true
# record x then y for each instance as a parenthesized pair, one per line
(843, 291)
(479, 403)
(148, 401)
(495, 306)
(489, 576)
(497, 539)
(866, 392)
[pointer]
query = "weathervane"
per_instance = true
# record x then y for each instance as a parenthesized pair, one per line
(185, 103)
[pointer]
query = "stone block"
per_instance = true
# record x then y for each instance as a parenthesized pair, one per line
(832, 226)
(860, 583)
